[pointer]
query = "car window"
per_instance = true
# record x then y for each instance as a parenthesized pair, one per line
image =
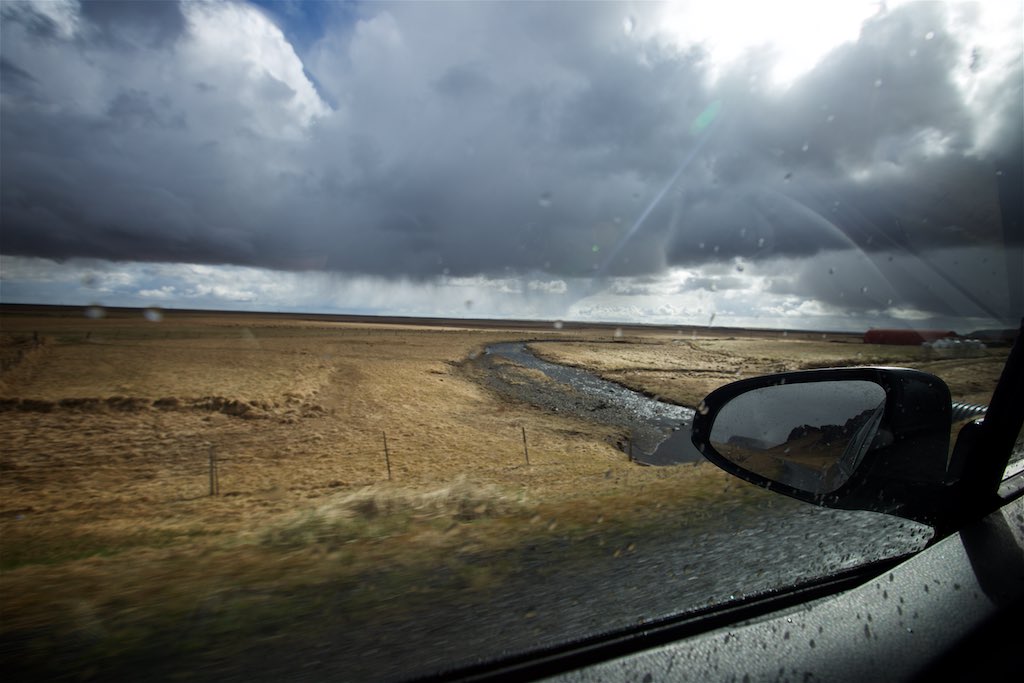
(363, 339)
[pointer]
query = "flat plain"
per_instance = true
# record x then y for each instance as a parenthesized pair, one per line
(193, 463)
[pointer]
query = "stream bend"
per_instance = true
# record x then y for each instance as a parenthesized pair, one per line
(659, 431)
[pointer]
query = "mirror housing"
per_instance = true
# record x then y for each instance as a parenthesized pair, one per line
(893, 456)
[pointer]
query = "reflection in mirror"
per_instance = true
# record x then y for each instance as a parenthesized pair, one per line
(810, 436)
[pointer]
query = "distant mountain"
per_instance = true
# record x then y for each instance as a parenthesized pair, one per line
(995, 337)
(831, 434)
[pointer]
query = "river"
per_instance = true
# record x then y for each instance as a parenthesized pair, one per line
(659, 431)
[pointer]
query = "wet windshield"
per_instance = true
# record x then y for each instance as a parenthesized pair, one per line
(363, 339)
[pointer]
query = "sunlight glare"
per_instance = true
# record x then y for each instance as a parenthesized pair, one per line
(798, 32)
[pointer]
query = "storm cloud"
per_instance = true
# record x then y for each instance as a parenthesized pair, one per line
(422, 141)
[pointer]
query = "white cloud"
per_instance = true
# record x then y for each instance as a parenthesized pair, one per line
(748, 303)
(909, 314)
(238, 50)
(795, 33)
(165, 292)
(548, 286)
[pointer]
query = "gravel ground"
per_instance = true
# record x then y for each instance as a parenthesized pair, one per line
(650, 424)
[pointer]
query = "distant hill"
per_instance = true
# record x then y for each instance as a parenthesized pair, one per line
(831, 434)
(1004, 337)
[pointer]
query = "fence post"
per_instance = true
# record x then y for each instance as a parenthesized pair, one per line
(387, 456)
(526, 451)
(214, 479)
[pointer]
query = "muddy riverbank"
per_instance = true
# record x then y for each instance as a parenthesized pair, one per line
(653, 432)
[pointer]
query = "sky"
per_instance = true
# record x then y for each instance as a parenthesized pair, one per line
(798, 165)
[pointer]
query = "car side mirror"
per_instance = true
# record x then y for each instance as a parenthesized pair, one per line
(852, 438)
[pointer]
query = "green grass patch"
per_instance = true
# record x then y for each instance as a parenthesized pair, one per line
(28, 547)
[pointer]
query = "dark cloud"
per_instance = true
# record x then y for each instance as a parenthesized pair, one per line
(134, 25)
(944, 282)
(13, 78)
(939, 203)
(135, 108)
(463, 81)
(881, 92)
(496, 139)
(37, 25)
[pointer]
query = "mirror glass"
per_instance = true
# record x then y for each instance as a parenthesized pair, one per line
(810, 436)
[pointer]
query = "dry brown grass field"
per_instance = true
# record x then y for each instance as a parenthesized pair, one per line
(683, 368)
(108, 530)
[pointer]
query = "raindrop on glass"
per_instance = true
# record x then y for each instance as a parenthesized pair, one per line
(864, 290)
(628, 25)
(929, 35)
(760, 242)
(739, 267)
(95, 312)
(878, 82)
(830, 118)
(831, 271)
(545, 199)
(558, 324)
(702, 408)
(618, 333)
(153, 314)
(805, 147)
